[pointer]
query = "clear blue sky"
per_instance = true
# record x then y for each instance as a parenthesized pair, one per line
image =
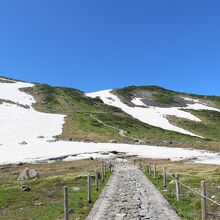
(99, 44)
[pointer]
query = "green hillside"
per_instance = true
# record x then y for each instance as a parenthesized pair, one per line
(161, 95)
(209, 127)
(90, 119)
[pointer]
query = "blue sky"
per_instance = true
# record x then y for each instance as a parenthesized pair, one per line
(100, 44)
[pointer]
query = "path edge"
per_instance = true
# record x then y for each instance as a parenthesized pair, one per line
(161, 200)
(98, 202)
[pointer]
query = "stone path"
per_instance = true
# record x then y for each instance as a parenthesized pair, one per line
(130, 195)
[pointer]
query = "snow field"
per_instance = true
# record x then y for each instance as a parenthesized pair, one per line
(18, 124)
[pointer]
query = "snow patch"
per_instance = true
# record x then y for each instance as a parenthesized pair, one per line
(40, 150)
(20, 124)
(138, 102)
(11, 92)
(156, 116)
(199, 106)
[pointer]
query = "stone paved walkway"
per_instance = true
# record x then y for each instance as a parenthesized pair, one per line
(130, 195)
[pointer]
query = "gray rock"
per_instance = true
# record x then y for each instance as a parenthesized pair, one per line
(25, 188)
(51, 141)
(23, 143)
(28, 174)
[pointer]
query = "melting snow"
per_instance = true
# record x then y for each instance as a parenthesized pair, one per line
(11, 92)
(20, 124)
(41, 150)
(155, 116)
(138, 102)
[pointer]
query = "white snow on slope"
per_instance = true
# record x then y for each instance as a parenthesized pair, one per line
(198, 105)
(155, 116)
(149, 115)
(19, 124)
(10, 91)
(138, 102)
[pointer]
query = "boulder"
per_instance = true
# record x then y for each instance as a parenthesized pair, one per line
(28, 174)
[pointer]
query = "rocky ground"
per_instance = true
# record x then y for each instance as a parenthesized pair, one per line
(130, 195)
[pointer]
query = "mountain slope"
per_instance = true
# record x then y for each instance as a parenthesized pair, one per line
(81, 111)
(188, 111)
(80, 125)
(148, 114)
(19, 121)
(89, 119)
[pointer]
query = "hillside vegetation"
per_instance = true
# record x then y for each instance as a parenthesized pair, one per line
(209, 126)
(160, 95)
(81, 114)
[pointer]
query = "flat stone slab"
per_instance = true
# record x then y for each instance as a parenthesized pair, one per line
(130, 195)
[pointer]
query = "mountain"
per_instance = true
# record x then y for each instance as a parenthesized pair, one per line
(184, 113)
(93, 119)
(35, 115)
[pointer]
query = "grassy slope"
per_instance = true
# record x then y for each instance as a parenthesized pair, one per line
(190, 174)
(162, 95)
(80, 126)
(76, 106)
(45, 200)
(159, 94)
(208, 128)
